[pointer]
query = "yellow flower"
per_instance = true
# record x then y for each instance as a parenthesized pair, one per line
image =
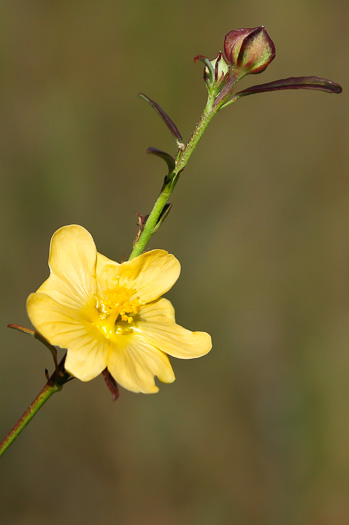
(110, 315)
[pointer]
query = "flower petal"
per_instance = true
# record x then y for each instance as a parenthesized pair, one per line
(133, 363)
(72, 262)
(150, 274)
(58, 323)
(88, 357)
(107, 272)
(157, 324)
(69, 328)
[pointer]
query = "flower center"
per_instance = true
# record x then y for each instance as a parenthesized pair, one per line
(115, 310)
(117, 303)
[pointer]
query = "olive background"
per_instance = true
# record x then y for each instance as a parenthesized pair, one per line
(256, 432)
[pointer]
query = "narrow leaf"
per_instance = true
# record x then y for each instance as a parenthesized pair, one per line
(169, 123)
(21, 329)
(171, 163)
(163, 216)
(321, 84)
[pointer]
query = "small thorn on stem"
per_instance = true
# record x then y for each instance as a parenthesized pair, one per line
(141, 220)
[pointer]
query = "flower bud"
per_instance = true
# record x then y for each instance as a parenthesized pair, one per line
(216, 72)
(249, 50)
(220, 68)
(246, 51)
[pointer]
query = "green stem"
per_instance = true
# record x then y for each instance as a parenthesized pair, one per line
(172, 179)
(60, 376)
(53, 385)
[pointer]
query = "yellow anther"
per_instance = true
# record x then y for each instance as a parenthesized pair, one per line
(116, 305)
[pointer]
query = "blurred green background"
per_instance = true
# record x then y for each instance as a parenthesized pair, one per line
(257, 432)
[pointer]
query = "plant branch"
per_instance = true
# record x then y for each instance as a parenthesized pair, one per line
(54, 384)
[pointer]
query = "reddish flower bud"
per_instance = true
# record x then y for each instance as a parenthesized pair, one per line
(249, 50)
(246, 51)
